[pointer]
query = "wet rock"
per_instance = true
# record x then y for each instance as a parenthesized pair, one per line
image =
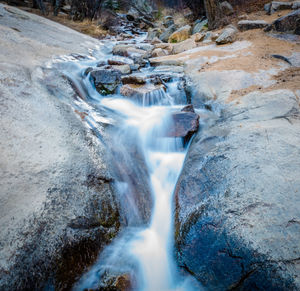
(180, 35)
(200, 26)
(106, 80)
(110, 281)
(184, 46)
(164, 74)
(224, 224)
(226, 8)
(167, 33)
(123, 69)
(124, 283)
(188, 108)
(61, 209)
(142, 93)
(119, 61)
(168, 21)
(251, 24)
(288, 23)
(228, 35)
(134, 67)
(134, 79)
(184, 125)
(158, 52)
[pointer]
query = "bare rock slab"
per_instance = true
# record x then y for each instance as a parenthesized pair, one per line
(184, 46)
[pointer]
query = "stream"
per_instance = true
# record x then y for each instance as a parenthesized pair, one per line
(138, 129)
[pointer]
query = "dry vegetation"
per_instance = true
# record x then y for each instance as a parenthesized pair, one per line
(89, 27)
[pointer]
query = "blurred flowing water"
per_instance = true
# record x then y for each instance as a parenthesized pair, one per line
(142, 250)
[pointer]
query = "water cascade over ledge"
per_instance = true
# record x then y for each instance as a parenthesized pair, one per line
(142, 251)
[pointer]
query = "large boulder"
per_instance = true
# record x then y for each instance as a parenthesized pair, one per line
(57, 202)
(288, 23)
(228, 35)
(181, 34)
(251, 24)
(167, 33)
(132, 52)
(106, 81)
(236, 216)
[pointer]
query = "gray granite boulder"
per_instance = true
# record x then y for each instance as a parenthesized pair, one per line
(167, 33)
(199, 26)
(228, 35)
(251, 24)
(237, 210)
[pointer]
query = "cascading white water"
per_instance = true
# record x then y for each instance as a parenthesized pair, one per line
(151, 248)
(145, 254)
(164, 157)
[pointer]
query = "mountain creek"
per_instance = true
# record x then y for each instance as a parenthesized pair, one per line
(130, 163)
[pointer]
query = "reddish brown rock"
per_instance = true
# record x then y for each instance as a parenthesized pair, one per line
(185, 124)
(123, 283)
(134, 79)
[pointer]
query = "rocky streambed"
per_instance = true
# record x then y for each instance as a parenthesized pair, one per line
(236, 204)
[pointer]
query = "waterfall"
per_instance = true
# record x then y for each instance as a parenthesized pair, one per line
(144, 252)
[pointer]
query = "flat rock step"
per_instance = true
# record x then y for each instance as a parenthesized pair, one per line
(251, 24)
(119, 61)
